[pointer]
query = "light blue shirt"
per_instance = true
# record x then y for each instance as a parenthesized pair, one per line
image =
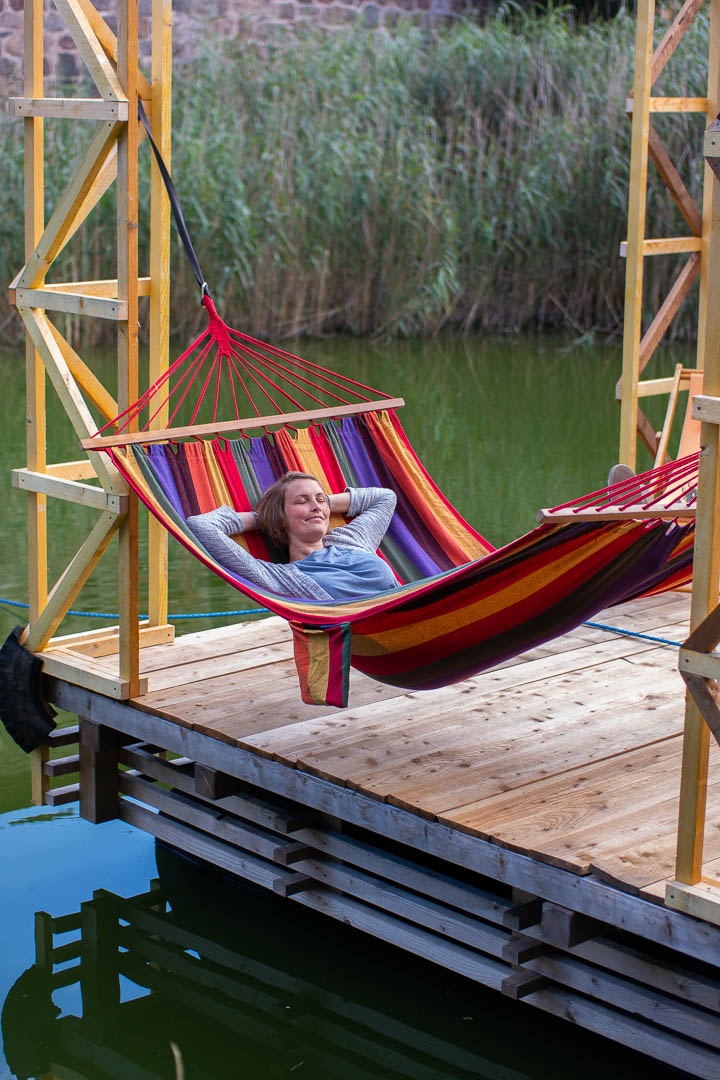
(346, 573)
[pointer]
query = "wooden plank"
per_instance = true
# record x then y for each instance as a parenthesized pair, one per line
(35, 437)
(246, 424)
(69, 490)
(106, 642)
(666, 245)
(73, 303)
(71, 470)
(68, 108)
(665, 1012)
(159, 352)
(80, 417)
(669, 308)
(701, 900)
(71, 581)
(87, 676)
(101, 70)
(635, 512)
(675, 104)
(587, 895)
(706, 408)
(673, 36)
(108, 41)
(674, 182)
(70, 204)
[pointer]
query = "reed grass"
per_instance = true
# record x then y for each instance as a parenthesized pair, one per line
(402, 183)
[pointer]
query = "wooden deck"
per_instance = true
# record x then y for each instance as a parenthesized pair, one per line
(518, 828)
(569, 754)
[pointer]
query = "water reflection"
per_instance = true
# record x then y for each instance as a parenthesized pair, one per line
(241, 986)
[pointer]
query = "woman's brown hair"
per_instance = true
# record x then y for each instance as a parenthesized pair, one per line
(270, 507)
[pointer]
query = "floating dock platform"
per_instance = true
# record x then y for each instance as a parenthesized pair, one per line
(518, 828)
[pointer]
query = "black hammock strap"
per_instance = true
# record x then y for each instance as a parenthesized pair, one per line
(175, 206)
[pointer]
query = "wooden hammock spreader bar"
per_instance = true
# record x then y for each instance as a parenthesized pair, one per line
(161, 434)
(612, 513)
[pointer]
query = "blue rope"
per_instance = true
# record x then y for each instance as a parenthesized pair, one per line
(181, 615)
(633, 633)
(262, 611)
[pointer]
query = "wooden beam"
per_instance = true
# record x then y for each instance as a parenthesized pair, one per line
(95, 58)
(81, 672)
(85, 378)
(705, 696)
(665, 245)
(71, 581)
(71, 203)
(41, 333)
(706, 407)
(107, 287)
(71, 470)
(673, 36)
(636, 512)
(105, 642)
(632, 327)
(702, 900)
(108, 40)
(159, 355)
(35, 437)
(69, 490)
(674, 182)
(706, 562)
(73, 303)
(669, 417)
(246, 424)
(127, 338)
(668, 309)
(69, 108)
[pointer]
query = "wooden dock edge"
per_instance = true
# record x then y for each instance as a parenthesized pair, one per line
(611, 962)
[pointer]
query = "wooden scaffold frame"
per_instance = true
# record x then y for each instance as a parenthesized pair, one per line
(692, 891)
(112, 156)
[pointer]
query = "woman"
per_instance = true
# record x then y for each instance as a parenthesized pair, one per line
(324, 564)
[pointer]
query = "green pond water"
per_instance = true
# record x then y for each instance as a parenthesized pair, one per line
(505, 426)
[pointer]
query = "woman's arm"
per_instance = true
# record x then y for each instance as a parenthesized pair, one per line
(371, 509)
(214, 531)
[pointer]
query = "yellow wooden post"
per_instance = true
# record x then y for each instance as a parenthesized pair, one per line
(706, 564)
(160, 278)
(127, 254)
(34, 371)
(632, 329)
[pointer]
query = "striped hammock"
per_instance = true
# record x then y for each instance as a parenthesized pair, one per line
(461, 605)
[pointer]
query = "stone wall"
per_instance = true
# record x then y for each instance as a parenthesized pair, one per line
(230, 18)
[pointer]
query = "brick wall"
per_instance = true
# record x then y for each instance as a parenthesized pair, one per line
(232, 18)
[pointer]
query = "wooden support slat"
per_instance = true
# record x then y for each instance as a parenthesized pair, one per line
(108, 41)
(69, 490)
(39, 780)
(105, 642)
(701, 900)
(83, 671)
(705, 696)
(99, 773)
(246, 424)
(71, 581)
(160, 273)
(70, 204)
(35, 438)
(80, 417)
(95, 58)
(673, 36)
(521, 983)
(62, 766)
(563, 927)
(668, 309)
(674, 182)
(107, 287)
(72, 303)
(636, 229)
(666, 245)
(634, 512)
(127, 339)
(85, 378)
(69, 108)
(64, 736)
(71, 470)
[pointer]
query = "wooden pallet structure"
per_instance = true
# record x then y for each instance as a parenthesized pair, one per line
(640, 344)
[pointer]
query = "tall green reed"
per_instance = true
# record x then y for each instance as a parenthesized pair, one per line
(405, 183)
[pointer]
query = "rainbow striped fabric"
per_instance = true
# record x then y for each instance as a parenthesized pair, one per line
(461, 606)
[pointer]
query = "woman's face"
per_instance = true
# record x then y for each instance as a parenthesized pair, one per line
(307, 514)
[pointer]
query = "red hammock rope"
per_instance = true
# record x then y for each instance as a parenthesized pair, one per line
(253, 368)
